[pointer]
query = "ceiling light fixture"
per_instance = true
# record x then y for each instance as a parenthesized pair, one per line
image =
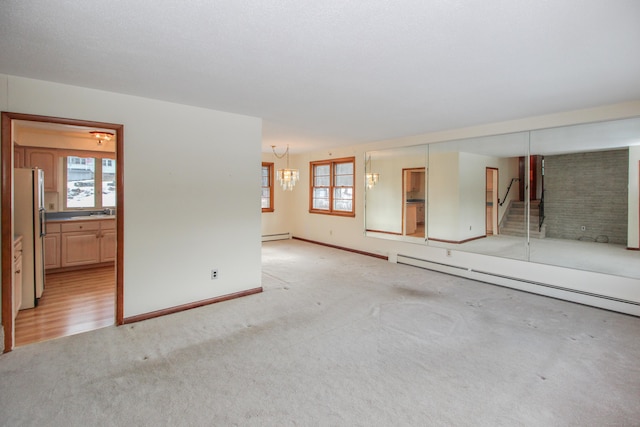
(286, 177)
(370, 177)
(101, 136)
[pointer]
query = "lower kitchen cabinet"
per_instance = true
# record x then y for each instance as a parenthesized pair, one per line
(107, 241)
(52, 246)
(87, 242)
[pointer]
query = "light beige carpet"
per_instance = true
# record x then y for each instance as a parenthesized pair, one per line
(339, 339)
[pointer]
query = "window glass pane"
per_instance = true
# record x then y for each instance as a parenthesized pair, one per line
(321, 204)
(81, 182)
(344, 180)
(321, 181)
(108, 183)
(344, 168)
(343, 199)
(322, 170)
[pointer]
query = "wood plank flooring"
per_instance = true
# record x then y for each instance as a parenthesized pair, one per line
(72, 302)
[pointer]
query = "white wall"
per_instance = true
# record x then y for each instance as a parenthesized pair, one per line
(191, 190)
(349, 232)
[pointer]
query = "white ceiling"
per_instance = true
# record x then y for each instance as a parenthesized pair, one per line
(328, 73)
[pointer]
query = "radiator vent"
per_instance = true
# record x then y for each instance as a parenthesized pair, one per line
(547, 289)
(280, 236)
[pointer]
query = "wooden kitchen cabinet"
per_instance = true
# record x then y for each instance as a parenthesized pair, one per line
(52, 246)
(420, 214)
(108, 241)
(87, 242)
(47, 160)
(80, 243)
(18, 157)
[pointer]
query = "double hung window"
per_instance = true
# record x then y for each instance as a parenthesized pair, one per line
(332, 187)
(267, 187)
(90, 182)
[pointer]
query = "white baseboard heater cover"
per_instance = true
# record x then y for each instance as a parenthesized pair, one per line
(554, 291)
(279, 236)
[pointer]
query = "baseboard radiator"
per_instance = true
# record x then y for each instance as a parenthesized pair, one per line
(555, 291)
(279, 236)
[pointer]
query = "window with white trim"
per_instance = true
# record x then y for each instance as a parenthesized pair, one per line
(90, 182)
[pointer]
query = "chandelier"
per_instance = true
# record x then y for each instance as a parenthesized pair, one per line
(286, 177)
(371, 178)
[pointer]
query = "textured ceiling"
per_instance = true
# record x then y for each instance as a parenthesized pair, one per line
(328, 73)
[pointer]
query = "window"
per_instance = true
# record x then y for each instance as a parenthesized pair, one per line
(332, 190)
(90, 182)
(267, 187)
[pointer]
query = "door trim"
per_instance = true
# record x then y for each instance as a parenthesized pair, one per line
(5, 218)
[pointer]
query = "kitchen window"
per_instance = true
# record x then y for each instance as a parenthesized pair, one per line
(90, 182)
(332, 189)
(267, 187)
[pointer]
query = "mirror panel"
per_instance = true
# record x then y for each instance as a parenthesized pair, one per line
(579, 206)
(474, 202)
(590, 204)
(392, 205)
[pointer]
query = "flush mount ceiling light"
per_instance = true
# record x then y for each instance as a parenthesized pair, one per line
(286, 177)
(370, 177)
(101, 136)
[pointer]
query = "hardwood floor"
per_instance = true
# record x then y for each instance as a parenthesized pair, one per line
(72, 302)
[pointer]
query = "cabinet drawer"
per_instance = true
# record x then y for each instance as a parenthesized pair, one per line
(53, 228)
(80, 226)
(109, 224)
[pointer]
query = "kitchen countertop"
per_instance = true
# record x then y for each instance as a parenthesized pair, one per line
(83, 218)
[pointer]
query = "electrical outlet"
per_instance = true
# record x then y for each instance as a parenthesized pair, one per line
(214, 274)
(448, 252)
(583, 228)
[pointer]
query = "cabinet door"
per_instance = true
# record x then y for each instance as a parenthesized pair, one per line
(47, 161)
(18, 157)
(52, 251)
(80, 248)
(108, 246)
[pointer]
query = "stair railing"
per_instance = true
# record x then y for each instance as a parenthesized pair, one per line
(508, 189)
(541, 212)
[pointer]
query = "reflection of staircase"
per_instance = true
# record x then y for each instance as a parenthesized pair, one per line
(513, 222)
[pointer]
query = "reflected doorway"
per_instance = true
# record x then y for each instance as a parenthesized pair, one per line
(491, 197)
(413, 202)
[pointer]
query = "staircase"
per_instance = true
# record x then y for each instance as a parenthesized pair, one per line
(513, 223)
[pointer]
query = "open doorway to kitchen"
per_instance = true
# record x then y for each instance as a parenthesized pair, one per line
(82, 187)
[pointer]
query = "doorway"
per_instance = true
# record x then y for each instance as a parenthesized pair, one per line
(413, 202)
(491, 198)
(9, 121)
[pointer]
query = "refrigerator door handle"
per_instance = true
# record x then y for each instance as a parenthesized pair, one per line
(43, 228)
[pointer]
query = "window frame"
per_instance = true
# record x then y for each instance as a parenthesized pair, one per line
(98, 158)
(271, 207)
(332, 168)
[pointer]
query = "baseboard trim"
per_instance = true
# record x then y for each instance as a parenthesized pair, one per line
(189, 306)
(386, 258)
(457, 242)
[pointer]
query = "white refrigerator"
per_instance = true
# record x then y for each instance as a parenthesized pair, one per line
(29, 221)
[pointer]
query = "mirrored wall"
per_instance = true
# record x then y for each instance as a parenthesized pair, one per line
(564, 196)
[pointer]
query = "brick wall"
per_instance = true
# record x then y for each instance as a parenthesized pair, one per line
(590, 190)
